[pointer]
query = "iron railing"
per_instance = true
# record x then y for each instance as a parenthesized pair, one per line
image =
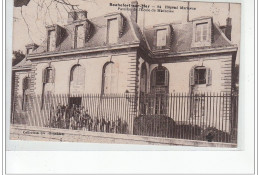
(203, 116)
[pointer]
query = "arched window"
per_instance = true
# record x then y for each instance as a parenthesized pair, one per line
(77, 74)
(77, 84)
(48, 75)
(77, 79)
(160, 77)
(26, 89)
(200, 75)
(48, 78)
(110, 76)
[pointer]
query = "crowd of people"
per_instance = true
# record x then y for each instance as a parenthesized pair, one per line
(78, 118)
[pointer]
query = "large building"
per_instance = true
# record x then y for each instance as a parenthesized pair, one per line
(111, 54)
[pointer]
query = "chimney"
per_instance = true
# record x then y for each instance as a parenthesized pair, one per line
(188, 12)
(30, 48)
(77, 15)
(134, 9)
(228, 28)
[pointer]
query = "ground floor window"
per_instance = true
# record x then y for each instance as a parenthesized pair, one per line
(26, 89)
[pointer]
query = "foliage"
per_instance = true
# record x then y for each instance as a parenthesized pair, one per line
(212, 134)
(18, 56)
(154, 125)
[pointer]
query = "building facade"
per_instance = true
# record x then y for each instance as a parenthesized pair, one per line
(111, 54)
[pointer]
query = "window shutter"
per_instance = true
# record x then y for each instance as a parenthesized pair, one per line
(26, 83)
(58, 36)
(209, 76)
(121, 25)
(166, 82)
(53, 76)
(169, 37)
(88, 31)
(192, 77)
(44, 75)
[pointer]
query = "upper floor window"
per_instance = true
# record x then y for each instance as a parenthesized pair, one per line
(79, 36)
(51, 40)
(110, 77)
(113, 31)
(48, 75)
(161, 37)
(200, 75)
(201, 32)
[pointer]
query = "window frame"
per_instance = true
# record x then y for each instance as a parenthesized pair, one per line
(157, 39)
(76, 36)
(49, 40)
(201, 43)
(197, 80)
(168, 37)
(108, 30)
(166, 77)
(201, 34)
(208, 76)
(52, 75)
(104, 78)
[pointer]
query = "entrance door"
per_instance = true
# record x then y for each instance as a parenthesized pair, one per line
(75, 101)
(159, 90)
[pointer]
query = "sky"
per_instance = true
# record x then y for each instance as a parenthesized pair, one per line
(29, 21)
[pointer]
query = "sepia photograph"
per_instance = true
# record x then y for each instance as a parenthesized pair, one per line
(126, 72)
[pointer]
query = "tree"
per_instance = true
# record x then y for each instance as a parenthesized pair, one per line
(20, 3)
(18, 56)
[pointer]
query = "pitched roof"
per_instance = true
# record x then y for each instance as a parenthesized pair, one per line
(98, 37)
(182, 38)
(181, 42)
(24, 64)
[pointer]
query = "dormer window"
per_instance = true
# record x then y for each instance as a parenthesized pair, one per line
(55, 35)
(112, 31)
(79, 36)
(116, 25)
(51, 40)
(202, 32)
(161, 38)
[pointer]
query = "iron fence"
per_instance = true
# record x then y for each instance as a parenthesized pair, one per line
(203, 116)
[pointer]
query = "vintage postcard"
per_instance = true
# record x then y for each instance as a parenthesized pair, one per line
(126, 71)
